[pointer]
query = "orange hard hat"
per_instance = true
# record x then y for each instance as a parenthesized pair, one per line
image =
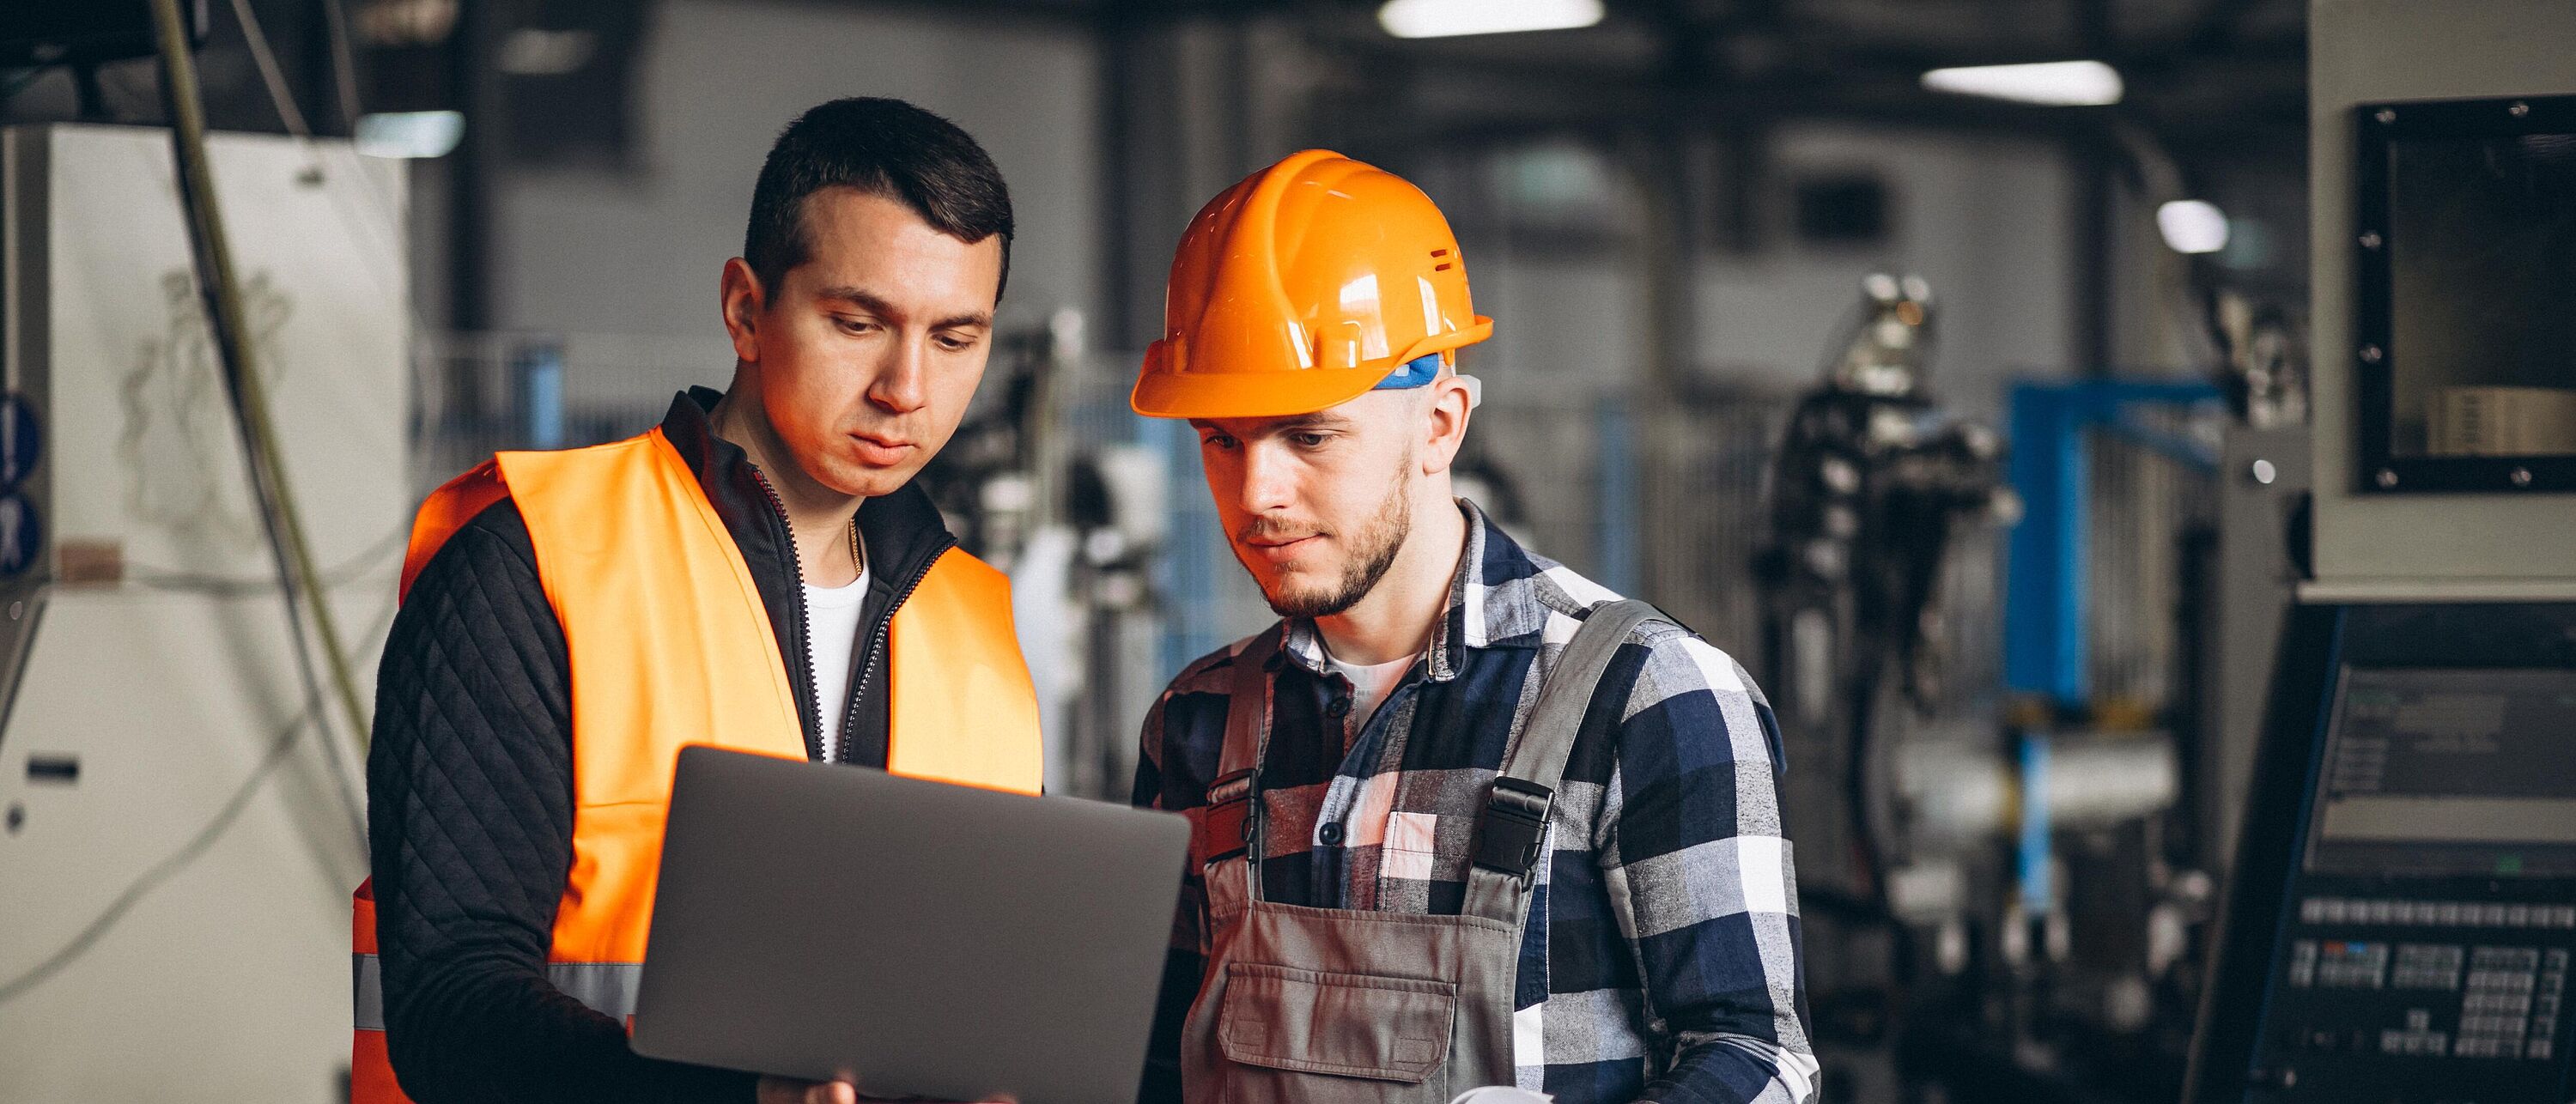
(1303, 286)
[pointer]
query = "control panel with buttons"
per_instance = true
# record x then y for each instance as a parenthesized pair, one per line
(2402, 914)
(2380, 991)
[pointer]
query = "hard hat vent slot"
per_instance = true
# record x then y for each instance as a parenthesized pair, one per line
(1439, 252)
(1443, 266)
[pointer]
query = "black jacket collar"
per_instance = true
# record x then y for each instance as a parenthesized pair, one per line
(905, 535)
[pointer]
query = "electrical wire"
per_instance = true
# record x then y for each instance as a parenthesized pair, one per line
(348, 571)
(270, 74)
(279, 749)
(169, 866)
(293, 557)
(282, 98)
(20, 82)
(344, 63)
(298, 579)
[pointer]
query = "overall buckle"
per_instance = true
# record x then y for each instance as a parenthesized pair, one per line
(1513, 827)
(1228, 825)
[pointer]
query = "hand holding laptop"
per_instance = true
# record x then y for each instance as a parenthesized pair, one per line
(782, 1090)
(887, 935)
(788, 1090)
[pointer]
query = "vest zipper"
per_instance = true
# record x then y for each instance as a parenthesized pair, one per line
(875, 641)
(801, 665)
(804, 676)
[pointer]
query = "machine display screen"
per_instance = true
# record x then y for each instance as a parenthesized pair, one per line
(2458, 771)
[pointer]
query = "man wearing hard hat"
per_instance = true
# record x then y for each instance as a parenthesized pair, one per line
(1462, 817)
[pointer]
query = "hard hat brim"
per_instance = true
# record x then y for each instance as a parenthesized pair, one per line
(1269, 395)
(1166, 394)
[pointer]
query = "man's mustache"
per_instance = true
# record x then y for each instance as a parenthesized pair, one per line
(1276, 529)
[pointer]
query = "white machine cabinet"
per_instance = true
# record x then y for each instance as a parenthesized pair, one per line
(157, 678)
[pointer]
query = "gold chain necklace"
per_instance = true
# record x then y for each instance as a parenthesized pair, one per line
(856, 560)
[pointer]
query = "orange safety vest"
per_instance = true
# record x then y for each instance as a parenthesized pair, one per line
(669, 645)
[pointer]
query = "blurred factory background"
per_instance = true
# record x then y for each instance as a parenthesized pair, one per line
(1968, 407)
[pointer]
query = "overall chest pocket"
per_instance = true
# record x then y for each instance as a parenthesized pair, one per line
(1373, 1039)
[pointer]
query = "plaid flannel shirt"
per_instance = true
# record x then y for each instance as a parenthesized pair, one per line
(1661, 961)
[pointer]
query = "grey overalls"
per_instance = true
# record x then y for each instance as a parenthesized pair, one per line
(1339, 1006)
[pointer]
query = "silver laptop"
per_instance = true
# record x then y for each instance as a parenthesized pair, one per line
(934, 940)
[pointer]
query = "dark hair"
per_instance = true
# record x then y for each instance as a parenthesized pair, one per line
(881, 147)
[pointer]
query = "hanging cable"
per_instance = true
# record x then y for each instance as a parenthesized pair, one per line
(300, 581)
(186, 854)
(269, 73)
(292, 117)
(169, 867)
(384, 553)
(344, 64)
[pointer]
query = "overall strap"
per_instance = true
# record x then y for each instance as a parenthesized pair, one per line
(1233, 821)
(1511, 831)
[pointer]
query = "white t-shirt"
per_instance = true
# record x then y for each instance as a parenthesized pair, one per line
(1370, 685)
(832, 631)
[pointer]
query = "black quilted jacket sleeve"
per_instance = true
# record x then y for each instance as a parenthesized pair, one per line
(470, 810)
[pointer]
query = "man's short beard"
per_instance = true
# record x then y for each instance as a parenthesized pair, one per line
(1373, 551)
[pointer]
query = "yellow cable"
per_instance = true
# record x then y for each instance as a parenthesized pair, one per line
(214, 257)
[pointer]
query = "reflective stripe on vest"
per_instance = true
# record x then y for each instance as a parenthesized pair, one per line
(668, 644)
(609, 988)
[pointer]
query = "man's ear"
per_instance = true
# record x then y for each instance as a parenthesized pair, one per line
(1445, 422)
(742, 300)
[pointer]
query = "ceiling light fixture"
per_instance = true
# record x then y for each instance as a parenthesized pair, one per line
(535, 52)
(2192, 226)
(2048, 83)
(410, 134)
(1443, 18)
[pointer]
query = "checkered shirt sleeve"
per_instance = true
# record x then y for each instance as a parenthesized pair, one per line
(1700, 878)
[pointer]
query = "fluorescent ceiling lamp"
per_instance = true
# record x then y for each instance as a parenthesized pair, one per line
(533, 52)
(1442, 18)
(2051, 83)
(2192, 226)
(410, 133)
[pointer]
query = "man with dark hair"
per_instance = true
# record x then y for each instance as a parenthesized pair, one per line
(911, 156)
(757, 572)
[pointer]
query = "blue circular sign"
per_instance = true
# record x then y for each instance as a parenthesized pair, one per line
(22, 536)
(21, 441)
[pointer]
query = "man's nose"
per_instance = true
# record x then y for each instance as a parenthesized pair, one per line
(1269, 479)
(901, 385)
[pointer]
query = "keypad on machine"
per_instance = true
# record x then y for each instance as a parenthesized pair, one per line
(2441, 914)
(2510, 997)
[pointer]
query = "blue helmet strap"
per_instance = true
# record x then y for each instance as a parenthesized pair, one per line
(1420, 373)
(1415, 373)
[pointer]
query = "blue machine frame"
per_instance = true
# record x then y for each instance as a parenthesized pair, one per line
(2046, 623)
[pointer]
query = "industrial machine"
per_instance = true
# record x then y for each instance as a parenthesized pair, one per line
(1872, 480)
(2404, 925)
(2401, 914)
(181, 827)
(1900, 811)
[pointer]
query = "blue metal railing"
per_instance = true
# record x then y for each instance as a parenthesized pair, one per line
(2047, 622)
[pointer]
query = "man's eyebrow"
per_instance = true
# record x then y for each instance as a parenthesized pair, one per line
(873, 303)
(861, 298)
(1321, 419)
